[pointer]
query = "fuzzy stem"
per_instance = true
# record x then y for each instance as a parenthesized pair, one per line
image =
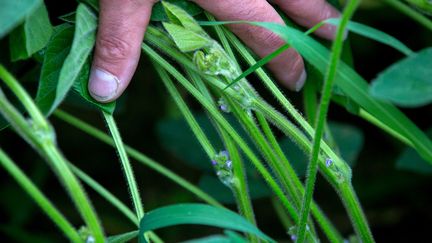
(153, 35)
(321, 118)
(355, 212)
(225, 125)
(240, 187)
(130, 178)
(42, 137)
(103, 192)
(40, 199)
(133, 153)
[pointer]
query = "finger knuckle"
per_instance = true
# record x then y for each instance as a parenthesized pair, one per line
(113, 48)
(269, 38)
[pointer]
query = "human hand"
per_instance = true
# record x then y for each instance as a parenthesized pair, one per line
(122, 25)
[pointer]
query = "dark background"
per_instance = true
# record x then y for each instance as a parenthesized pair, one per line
(397, 203)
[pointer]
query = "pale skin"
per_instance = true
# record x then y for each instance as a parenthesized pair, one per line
(122, 25)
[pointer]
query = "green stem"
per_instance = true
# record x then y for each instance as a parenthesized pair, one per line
(40, 199)
(413, 14)
(130, 178)
(42, 138)
(279, 120)
(240, 187)
(105, 194)
(224, 124)
(321, 118)
(37, 117)
(355, 212)
(331, 232)
(135, 154)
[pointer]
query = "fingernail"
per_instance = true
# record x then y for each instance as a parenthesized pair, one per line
(102, 85)
(301, 81)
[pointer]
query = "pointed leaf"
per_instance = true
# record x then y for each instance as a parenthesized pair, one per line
(178, 16)
(83, 42)
(186, 40)
(32, 35)
(57, 50)
(159, 13)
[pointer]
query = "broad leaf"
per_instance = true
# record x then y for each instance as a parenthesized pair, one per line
(32, 35)
(57, 50)
(178, 16)
(408, 82)
(159, 14)
(83, 42)
(13, 12)
(199, 214)
(186, 40)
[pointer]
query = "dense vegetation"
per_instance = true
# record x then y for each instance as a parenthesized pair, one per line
(209, 138)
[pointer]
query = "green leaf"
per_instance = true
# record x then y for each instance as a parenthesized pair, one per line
(186, 40)
(126, 237)
(13, 12)
(408, 82)
(409, 160)
(353, 85)
(374, 34)
(56, 52)
(200, 214)
(31, 36)
(83, 42)
(159, 14)
(178, 16)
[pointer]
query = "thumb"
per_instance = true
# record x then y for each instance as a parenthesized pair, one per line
(118, 43)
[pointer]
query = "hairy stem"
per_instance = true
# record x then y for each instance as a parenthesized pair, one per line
(103, 137)
(41, 136)
(60, 221)
(321, 118)
(130, 178)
